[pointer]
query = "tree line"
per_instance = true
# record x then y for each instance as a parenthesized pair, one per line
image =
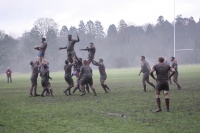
(121, 46)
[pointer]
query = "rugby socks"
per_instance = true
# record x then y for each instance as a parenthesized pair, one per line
(167, 103)
(87, 88)
(75, 89)
(107, 87)
(144, 87)
(94, 92)
(51, 91)
(158, 103)
(104, 87)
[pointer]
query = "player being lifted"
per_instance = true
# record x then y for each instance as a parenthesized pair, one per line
(102, 74)
(70, 47)
(162, 81)
(145, 68)
(41, 50)
(91, 53)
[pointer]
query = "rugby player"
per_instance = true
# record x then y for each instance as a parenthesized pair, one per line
(161, 70)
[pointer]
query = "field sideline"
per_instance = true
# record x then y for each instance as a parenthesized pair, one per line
(125, 109)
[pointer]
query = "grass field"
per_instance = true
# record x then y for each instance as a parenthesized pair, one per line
(125, 109)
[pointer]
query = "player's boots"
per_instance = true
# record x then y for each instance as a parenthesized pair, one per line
(43, 93)
(35, 95)
(51, 91)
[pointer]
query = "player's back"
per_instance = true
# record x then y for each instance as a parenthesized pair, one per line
(67, 69)
(86, 70)
(162, 71)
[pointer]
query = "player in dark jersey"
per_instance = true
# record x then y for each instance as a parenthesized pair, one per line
(68, 77)
(41, 50)
(145, 68)
(85, 77)
(103, 74)
(70, 47)
(162, 81)
(175, 77)
(91, 53)
(35, 70)
(44, 74)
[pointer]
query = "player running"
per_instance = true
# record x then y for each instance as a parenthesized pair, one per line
(102, 74)
(162, 81)
(35, 70)
(175, 77)
(91, 53)
(85, 77)
(70, 47)
(145, 68)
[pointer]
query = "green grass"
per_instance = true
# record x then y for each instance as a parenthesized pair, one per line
(125, 109)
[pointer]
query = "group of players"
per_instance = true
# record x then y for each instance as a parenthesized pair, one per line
(81, 70)
(164, 72)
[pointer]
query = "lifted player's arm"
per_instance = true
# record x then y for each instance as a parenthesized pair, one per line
(63, 48)
(152, 75)
(77, 38)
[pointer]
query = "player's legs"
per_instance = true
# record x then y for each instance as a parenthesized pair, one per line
(87, 88)
(10, 79)
(158, 101)
(147, 80)
(103, 85)
(50, 88)
(175, 78)
(144, 85)
(35, 90)
(70, 82)
(89, 61)
(91, 86)
(44, 88)
(7, 79)
(166, 99)
(31, 90)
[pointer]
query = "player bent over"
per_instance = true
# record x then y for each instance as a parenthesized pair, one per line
(162, 81)
(91, 53)
(68, 77)
(85, 77)
(45, 79)
(102, 74)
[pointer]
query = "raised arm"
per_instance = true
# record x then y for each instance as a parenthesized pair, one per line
(95, 63)
(62, 48)
(77, 39)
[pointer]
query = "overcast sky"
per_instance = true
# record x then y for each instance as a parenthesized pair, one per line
(18, 16)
